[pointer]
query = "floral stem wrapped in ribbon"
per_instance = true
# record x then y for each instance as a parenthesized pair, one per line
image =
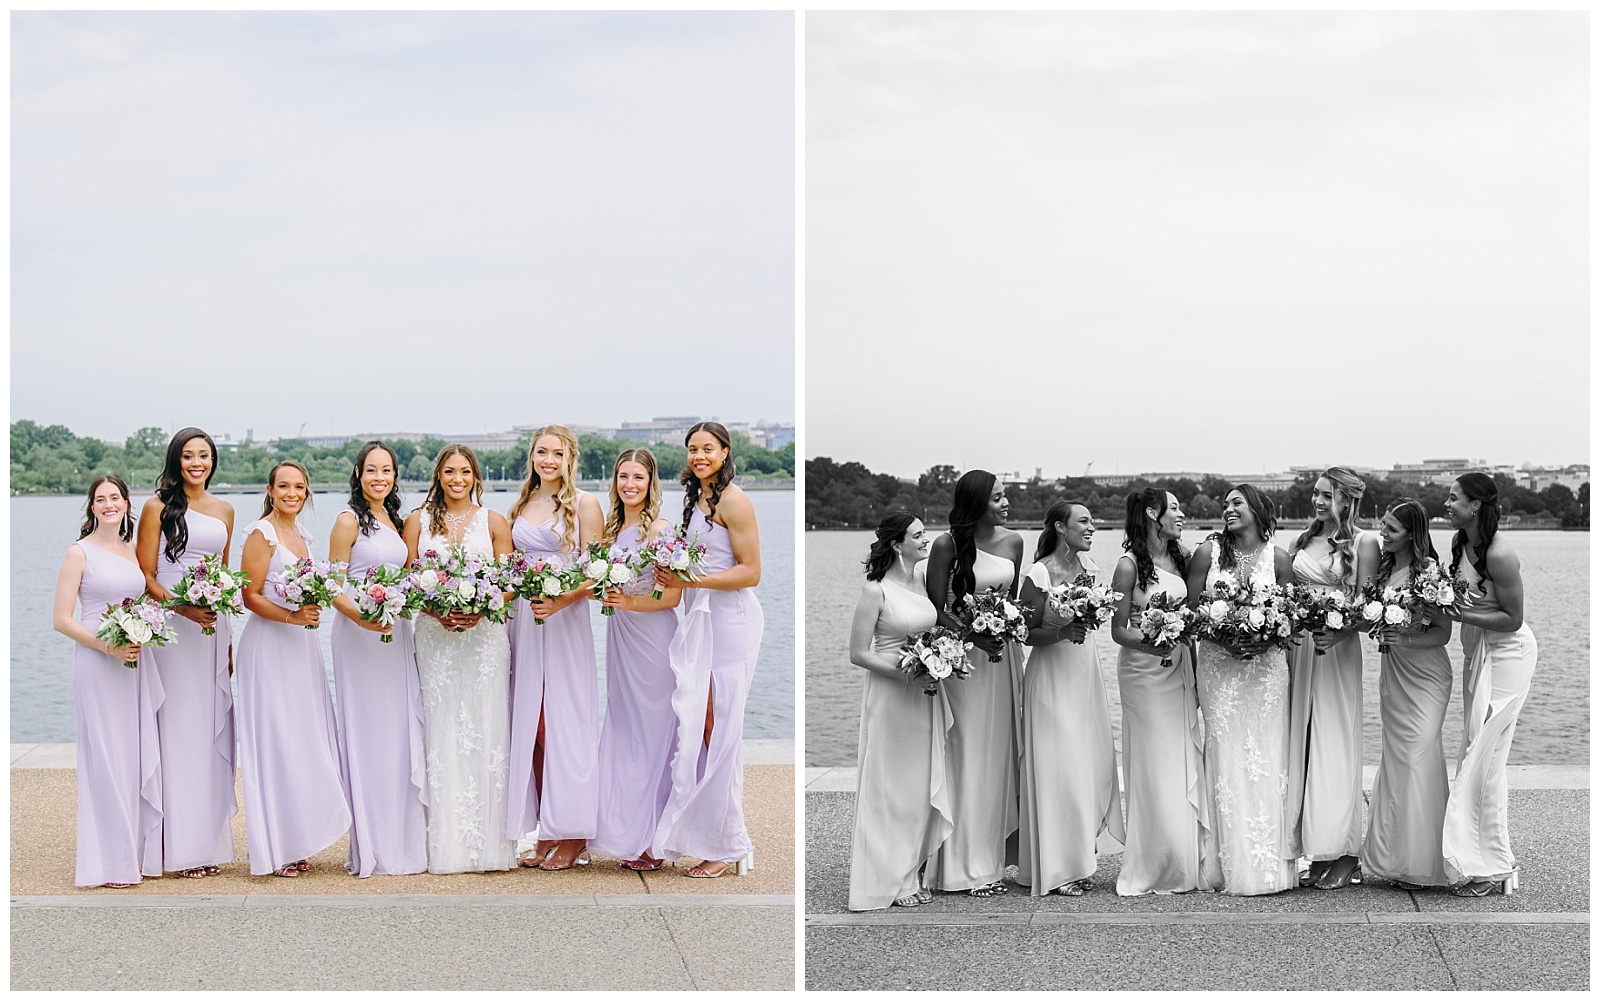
(934, 655)
(608, 569)
(992, 613)
(211, 585)
(384, 597)
(309, 582)
(1164, 621)
(1084, 601)
(459, 584)
(674, 553)
(139, 620)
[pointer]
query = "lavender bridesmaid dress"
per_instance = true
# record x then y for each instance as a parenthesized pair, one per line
(713, 655)
(293, 798)
(381, 751)
(114, 703)
(553, 669)
(636, 741)
(195, 720)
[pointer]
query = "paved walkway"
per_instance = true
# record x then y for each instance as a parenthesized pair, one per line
(598, 926)
(1371, 936)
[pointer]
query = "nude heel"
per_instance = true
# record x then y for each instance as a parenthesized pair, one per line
(1509, 885)
(746, 865)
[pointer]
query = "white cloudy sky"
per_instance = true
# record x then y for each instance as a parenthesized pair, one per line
(372, 221)
(1224, 242)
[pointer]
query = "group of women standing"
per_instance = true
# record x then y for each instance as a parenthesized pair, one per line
(1237, 762)
(459, 736)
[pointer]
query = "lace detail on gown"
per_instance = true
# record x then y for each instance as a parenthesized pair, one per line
(466, 710)
(1246, 710)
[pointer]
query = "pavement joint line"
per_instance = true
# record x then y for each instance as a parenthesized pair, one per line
(1043, 919)
(254, 900)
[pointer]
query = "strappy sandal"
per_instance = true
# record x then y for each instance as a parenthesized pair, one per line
(582, 858)
(1484, 887)
(992, 890)
(1402, 884)
(118, 886)
(530, 862)
(925, 895)
(909, 900)
(212, 870)
(1073, 889)
(304, 865)
(701, 872)
(198, 872)
(1328, 881)
(641, 865)
(288, 872)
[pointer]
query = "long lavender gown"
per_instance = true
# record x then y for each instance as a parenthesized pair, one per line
(288, 753)
(195, 720)
(636, 741)
(114, 704)
(381, 751)
(553, 669)
(714, 654)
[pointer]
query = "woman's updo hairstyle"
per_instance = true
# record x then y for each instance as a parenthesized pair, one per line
(1480, 488)
(891, 530)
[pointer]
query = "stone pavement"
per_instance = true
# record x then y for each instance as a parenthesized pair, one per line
(598, 926)
(1371, 936)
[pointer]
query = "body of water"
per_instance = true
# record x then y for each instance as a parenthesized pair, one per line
(41, 658)
(1553, 727)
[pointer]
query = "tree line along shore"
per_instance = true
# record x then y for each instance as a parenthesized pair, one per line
(54, 460)
(848, 495)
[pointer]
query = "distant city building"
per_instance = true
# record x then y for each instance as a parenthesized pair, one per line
(1444, 471)
(656, 431)
(1536, 478)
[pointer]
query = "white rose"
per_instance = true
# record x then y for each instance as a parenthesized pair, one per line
(467, 589)
(225, 579)
(1447, 594)
(1335, 620)
(680, 559)
(429, 578)
(1394, 615)
(596, 570)
(938, 668)
(1218, 609)
(1372, 611)
(1257, 618)
(137, 631)
(621, 573)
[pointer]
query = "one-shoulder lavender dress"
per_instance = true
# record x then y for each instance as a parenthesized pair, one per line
(553, 670)
(636, 740)
(294, 801)
(195, 720)
(114, 705)
(713, 656)
(381, 750)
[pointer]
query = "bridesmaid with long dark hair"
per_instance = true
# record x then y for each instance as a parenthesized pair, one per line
(1162, 750)
(1500, 657)
(1404, 834)
(978, 553)
(1332, 554)
(178, 527)
(713, 661)
(1071, 806)
(288, 747)
(381, 750)
(119, 792)
(636, 741)
(555, 689)
(902, 790)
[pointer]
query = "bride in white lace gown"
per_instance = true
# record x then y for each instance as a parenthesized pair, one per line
(1244, 698)
(464, 665)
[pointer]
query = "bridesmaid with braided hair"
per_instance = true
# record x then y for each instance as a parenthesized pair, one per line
(1500, 658)
(713, 659)
(1332, 554)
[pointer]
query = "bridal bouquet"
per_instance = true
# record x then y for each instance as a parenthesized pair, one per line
(384, 597)
(459, 583)
(1318, 610)
(1164, 621)
(139, 620)
(992, 613)
(210, 584)
(308, 582)
(1231, 614)
(1084, 601)
(544, 577)
(674, 553)
(935, 654)
(608, 569)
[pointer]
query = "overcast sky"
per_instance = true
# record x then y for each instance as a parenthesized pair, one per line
(377, 222)
(1223, 242)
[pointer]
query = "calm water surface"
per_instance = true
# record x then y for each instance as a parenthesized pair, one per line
(1553, 727)
(41, 658)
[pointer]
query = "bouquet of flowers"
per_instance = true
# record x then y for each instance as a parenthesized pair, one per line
(384, 597)
(139, 620)
(1418, 601)
(935, 654)
(1436, 592)
(1232, 614)
(608, 568)
(1316, 610)
(308, 582)
(210, 584)
(1385, 606)
(544, 577)
(992, 613)
(673, 552)
(459, 583)
(1164, 621)
(1084, 601)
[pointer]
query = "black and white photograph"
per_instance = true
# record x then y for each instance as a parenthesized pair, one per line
(1196, 500)
(403, 512)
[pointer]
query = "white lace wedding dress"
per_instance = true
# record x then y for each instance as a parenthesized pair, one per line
(466, 716)
(1246, 708)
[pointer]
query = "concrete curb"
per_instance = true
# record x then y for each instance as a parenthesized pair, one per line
(417, 900)
(843, 779)
(756, 752)
(1209, 918)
